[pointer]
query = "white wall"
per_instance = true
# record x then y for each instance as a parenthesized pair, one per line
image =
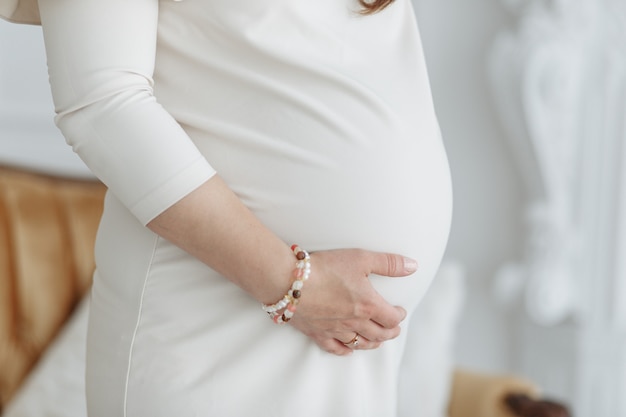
(487, 229)
(28, 136)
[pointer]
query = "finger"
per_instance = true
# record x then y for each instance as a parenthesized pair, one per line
(389, 318)
(365, 344)
(391, 265)
(383, 313)
(359, 342)
(354, 341)
(334, 346)
(375, 333)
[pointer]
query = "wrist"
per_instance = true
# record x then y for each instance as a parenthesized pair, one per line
(284, 309)
(275, 278)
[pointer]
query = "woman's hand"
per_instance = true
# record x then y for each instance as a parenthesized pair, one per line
(338, 301)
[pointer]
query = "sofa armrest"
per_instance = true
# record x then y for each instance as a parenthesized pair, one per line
(481, 394)
(488, 395)
(47, 233)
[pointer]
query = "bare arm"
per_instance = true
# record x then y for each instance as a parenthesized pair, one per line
(213, 225)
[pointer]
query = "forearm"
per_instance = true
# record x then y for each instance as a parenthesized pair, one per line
(212, 224)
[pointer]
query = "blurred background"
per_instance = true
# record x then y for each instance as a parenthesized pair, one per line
(531, 98)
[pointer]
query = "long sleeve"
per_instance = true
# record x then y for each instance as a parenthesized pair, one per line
(101, 58)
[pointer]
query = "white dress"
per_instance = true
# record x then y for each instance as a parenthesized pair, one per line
(321, 120)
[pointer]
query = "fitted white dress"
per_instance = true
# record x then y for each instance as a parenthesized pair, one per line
(321, 120)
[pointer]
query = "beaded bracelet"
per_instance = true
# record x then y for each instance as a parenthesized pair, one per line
(282, 311)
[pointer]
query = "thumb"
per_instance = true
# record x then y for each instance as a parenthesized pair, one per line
(391, 265)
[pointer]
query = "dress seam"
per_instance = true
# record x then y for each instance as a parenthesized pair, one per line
(139, 314)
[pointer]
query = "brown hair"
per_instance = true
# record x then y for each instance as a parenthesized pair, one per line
(374, 6)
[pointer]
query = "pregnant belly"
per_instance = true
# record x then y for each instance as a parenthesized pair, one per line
(388, 195)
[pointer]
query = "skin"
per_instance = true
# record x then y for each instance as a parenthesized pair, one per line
(338, 300)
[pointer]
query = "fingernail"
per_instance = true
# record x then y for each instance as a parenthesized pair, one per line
(404, 313)
(410, 265)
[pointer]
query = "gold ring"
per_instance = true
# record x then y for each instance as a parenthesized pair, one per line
(354, 342)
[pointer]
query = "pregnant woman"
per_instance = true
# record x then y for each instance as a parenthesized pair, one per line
(226, 130)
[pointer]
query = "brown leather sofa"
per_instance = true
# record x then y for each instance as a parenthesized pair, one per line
(47, 232)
